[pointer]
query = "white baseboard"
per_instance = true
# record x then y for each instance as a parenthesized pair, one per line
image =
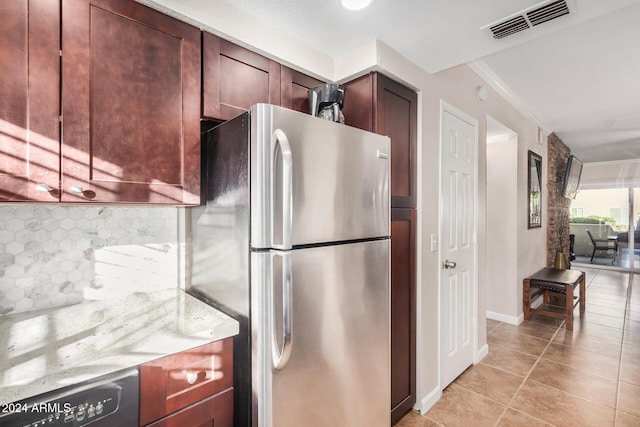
(424, 404)
(428, 401)
(481, 353)
(512, 320)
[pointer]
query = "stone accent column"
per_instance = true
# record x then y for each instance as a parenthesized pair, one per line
(558, 207)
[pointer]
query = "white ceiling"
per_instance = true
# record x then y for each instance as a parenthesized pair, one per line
(579, 75)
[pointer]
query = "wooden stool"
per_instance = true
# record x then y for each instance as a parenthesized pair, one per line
(558, 281)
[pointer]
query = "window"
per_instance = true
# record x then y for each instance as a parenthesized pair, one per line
(606, 213)
(577, 212)
(619, 215)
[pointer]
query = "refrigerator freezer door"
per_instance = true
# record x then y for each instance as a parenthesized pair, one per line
(315, 181)
(338, 367)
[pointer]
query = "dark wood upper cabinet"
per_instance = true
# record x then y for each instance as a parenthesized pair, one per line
(403, 312)
(29, 100)
(295, 89)
(235, 78)
(130, 104)
(378, 104)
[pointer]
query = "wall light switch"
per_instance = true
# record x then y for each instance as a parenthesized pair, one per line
(434, 242)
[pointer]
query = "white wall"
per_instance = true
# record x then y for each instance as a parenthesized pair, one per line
(456, 86)
(502, 223)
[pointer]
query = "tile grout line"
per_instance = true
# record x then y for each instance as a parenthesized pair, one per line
(508, 405)
(624, 329)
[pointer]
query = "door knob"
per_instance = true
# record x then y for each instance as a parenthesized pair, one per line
(448, 264)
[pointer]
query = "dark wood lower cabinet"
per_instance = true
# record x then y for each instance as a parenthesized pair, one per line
(403, 312)
(214, 411)
(192, 388)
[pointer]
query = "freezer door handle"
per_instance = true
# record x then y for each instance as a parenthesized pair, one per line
(281, 357)
(280, 144)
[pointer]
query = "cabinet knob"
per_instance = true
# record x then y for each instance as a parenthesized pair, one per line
(43, 188)
(79, 191)
(76, 189)
(193, 377)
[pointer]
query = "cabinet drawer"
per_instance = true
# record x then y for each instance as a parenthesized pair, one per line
(174, 382)
(215, 411)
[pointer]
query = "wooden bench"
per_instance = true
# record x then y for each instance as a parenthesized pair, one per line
(551, 280)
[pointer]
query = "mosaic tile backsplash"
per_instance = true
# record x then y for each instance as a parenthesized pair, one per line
(53, 256)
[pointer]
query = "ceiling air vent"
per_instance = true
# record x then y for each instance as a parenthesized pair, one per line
(528, 18)
(508, 27)
(548, 12)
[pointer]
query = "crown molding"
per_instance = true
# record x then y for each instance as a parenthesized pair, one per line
(492, 79)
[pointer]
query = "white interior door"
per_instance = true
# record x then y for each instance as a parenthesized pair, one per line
(458, 245)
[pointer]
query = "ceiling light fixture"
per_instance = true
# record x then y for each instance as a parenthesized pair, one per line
(355, 4)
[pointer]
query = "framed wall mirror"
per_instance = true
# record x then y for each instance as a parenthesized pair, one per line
(535, 190)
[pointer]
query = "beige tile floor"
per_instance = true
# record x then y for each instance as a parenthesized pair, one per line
(539, 374)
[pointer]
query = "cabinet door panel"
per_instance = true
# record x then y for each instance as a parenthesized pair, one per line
(295, 89)
(151, 83)
(215, 411)
(241, 86)
(358, 104)
(378, 104)
(130, 104)
(403, 312)
(174, 382)
(396, 117)
(29, 103)
(235, 78)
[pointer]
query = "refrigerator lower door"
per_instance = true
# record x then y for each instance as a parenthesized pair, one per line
(315, 181)
(334, 367)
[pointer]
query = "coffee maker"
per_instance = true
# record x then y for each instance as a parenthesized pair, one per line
(326, 101)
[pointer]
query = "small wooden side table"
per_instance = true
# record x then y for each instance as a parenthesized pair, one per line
(559, 281)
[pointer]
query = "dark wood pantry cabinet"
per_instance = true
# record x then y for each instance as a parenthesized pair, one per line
(403, 311)
(379, 104)
(192, 388)
(130, 104)
(29, 100)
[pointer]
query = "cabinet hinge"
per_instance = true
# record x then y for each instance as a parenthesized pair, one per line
(60, 52)
(60, 118)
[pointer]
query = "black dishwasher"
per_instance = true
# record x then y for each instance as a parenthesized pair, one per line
(108, 401)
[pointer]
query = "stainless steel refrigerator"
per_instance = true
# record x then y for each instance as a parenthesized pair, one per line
(292, 239)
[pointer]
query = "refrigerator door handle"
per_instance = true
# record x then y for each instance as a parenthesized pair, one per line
(279, 139)
(281, 357)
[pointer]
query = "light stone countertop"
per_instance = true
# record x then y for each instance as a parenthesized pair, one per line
(60, 347)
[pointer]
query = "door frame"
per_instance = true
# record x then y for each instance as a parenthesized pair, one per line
(446, 107)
